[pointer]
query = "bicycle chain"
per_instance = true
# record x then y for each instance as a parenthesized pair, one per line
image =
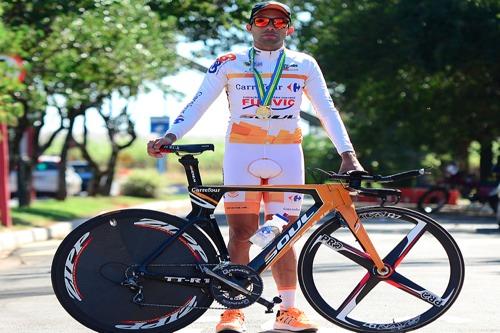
(179, 306)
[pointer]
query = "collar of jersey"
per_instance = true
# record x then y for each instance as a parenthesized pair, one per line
(270, 54)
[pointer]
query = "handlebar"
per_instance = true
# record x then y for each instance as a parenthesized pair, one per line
(356, 177)
(364, 176)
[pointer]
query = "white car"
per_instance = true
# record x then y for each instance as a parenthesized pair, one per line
(45, 177)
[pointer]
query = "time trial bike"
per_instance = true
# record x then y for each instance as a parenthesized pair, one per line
(148, 271)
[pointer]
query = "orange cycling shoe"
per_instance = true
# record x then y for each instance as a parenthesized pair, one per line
(294, 320)
(231, 321)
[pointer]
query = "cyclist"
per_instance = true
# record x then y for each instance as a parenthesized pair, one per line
(264, 86)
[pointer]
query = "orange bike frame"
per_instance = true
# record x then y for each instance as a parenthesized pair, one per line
(328, 198)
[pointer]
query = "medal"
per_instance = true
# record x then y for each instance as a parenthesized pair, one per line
(265, 95)
(263, 112)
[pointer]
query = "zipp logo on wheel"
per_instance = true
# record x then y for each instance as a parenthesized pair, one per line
(71, 266)
(169, 318)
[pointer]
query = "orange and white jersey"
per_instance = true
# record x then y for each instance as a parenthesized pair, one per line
(232, 72)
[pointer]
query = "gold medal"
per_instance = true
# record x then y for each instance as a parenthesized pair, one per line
(263, 112)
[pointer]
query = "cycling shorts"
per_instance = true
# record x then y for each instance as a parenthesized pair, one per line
(251, 164)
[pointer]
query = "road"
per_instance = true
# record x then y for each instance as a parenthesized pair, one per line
(27, 302)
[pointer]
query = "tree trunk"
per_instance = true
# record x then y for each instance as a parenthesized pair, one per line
(486, 160)
(62, 192)
(94, 182)
(24, 181)
(110, 172)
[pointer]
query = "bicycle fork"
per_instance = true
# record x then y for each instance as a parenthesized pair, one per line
(348, 212)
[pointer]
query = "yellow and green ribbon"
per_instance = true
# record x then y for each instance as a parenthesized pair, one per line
(265, 95)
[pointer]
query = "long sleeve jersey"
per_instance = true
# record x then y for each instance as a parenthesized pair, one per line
(233, 72)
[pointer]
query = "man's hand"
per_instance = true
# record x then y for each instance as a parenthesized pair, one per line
(349, 162)
(154, 145)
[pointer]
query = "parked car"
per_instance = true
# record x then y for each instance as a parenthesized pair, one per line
(45, 176)
(82, 168)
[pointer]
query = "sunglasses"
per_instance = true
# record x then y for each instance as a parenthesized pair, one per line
(278, 22)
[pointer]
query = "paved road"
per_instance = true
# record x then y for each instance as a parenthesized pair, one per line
(27, 303)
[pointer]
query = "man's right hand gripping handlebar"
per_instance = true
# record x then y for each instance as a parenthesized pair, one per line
(154, 146)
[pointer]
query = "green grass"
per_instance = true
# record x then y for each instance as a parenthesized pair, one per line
(44, 212)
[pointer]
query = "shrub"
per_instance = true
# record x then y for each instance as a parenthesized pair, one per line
(141, 183)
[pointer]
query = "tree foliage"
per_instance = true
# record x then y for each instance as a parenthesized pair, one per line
(81, 52)
(419, 76)
(9, 109)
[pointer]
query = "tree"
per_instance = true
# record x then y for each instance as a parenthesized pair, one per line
(419, 77)
(87, 51)
(121, 135)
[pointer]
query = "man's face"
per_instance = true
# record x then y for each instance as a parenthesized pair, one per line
(269, 37)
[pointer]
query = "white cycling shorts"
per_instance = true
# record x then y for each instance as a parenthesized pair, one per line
(255, 164)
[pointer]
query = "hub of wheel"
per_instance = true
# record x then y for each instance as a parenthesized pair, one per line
(242, 276)
(383, 273)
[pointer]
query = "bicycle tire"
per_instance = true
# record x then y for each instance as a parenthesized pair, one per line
(433, 200)
(361, 311)
(90, 264)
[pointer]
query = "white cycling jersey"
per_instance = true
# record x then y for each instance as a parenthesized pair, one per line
(232, 71)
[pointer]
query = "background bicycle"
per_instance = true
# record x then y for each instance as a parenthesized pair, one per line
(469, 187)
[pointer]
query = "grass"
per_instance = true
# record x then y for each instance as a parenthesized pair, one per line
(45, 212)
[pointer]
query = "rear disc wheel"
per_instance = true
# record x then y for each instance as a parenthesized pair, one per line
(93, 261)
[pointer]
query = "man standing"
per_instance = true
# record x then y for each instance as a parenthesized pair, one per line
(264, 86)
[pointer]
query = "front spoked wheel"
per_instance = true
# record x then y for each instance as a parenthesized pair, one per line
(425, 272)
(94, 273)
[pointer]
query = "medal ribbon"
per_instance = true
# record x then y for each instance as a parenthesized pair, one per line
(265, 96)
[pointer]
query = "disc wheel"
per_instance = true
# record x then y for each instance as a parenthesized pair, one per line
(422, 278)
(94, 260)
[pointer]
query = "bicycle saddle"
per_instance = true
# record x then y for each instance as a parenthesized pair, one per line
(191, 149)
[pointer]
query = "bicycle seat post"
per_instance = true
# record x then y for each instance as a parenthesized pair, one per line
(190, 164)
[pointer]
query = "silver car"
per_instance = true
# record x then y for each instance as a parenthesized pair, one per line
(45, 177)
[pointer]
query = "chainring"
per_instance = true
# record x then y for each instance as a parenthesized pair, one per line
(243, 276)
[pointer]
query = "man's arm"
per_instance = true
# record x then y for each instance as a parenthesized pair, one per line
(210, 89)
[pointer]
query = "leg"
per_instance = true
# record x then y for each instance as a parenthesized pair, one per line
(285, 269)
(241, 228)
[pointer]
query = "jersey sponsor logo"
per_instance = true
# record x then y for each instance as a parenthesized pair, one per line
(252, 87)
(274, 116)
(257, 63)
(180, 117)
(291, 67)
(221, 61)
(279, 103)
(294, 87)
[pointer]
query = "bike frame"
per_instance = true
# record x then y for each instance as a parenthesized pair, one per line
(327, 198)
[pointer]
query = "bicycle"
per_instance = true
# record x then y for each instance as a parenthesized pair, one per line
(434, 199)
(145, 270)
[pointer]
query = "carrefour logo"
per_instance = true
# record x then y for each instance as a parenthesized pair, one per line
(294, 87)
